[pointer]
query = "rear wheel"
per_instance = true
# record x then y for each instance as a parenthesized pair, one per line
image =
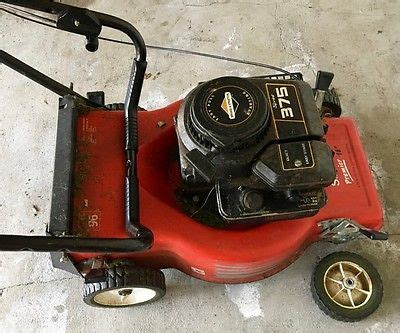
(124, 286)
(346, 286)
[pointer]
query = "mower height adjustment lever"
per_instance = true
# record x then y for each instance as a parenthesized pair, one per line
(341, 230)
(374, 235)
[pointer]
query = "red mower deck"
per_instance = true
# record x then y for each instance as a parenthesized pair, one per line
(226, 256)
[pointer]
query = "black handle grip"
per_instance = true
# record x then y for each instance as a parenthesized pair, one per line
(132, 204)
(374, 235)
(133, 209)
(131, 104)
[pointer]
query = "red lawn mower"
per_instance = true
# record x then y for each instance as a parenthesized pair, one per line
(228, 185)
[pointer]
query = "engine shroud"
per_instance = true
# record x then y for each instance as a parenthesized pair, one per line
(253, 150)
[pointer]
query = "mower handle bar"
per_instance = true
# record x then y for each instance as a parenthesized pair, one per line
(89, 23)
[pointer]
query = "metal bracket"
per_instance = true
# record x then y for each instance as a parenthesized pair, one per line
(339, 230)
(342, 230)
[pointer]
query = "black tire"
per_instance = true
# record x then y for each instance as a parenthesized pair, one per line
(123, 286)
(331, 105)
(332, 308)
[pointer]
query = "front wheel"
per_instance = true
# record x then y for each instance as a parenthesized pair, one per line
(346, 286)
(124, 286)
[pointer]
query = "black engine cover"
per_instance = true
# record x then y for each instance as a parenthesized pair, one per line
(227, 113)
(259, 142)
(295, 165)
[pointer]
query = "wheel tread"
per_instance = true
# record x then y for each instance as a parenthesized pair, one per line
(120, 276)
(378, 285)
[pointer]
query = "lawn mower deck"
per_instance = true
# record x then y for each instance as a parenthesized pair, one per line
(217, 255)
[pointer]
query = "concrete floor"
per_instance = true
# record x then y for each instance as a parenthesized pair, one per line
(358, 40)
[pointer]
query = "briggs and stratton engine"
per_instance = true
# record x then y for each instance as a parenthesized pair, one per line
(259, 144)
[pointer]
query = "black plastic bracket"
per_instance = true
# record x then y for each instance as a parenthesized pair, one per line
(201, 163)
(323, 80)
(96, 97)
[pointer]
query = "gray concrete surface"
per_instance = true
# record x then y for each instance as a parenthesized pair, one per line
(358, 40)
